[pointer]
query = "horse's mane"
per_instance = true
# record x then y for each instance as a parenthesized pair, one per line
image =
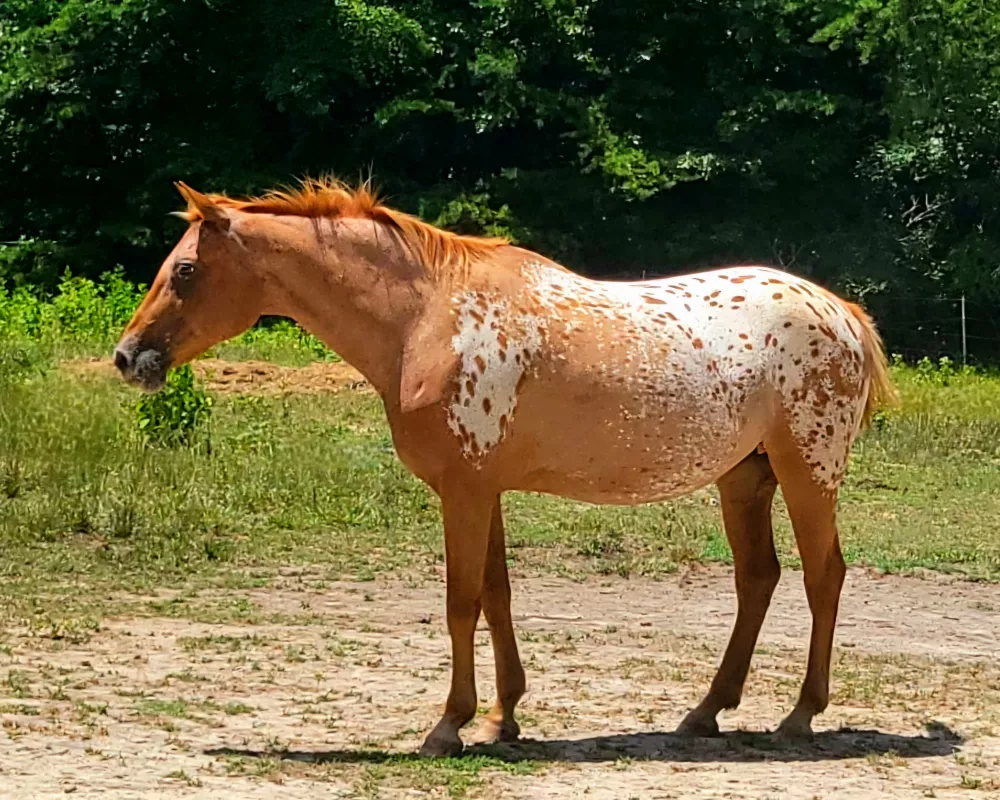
(328, 197)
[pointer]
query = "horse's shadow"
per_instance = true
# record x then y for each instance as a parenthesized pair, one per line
(736, 747)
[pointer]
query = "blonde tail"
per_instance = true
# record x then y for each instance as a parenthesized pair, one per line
(881, 391)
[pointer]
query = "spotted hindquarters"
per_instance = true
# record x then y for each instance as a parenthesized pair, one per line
(831, 377)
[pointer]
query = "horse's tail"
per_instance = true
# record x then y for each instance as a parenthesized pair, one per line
(880, 391)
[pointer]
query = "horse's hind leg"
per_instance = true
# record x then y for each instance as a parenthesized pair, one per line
(812, 506)
(746, 492)
(500, 724)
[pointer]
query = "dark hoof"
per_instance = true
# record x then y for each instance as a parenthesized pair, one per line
(794, 732)
(698, 726)
(492, 731)
(439, 745)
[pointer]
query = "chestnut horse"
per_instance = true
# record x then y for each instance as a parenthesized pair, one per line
(500, 370)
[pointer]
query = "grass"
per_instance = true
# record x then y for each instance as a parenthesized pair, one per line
(456, 776)
(88, 507)
(166, 708)
(372, 771)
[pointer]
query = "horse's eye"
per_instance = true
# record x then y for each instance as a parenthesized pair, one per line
(185, 269)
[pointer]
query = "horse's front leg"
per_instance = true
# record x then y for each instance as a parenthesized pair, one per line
(467, 515)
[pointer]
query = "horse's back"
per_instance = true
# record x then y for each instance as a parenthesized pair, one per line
(634, 391)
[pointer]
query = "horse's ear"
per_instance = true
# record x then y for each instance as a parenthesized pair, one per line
(429, 365)
(203, 205)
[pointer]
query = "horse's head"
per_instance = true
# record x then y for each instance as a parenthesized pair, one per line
(205, 292)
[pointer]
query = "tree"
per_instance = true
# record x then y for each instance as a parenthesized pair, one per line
(851, 140)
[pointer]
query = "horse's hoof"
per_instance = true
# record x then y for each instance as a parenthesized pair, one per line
(439, 745)
(698, 726)
(794, 732)
(493, 730)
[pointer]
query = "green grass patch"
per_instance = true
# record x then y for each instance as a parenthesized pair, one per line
(456, 776)
(180, 709)
(373, 771)
(88, 505)
(84, 501)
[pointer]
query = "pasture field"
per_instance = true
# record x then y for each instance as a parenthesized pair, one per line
(259, 611)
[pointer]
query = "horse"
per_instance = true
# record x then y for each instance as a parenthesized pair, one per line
(500, 370)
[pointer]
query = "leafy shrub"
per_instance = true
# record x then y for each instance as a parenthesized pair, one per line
(19, 360)
(942, 372)
(87, 317)
(172, 415)
(81, 312)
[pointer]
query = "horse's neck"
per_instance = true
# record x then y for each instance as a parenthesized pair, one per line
(371, 348)
(360, 309)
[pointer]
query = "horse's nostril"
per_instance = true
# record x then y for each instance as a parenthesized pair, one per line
(122, 361)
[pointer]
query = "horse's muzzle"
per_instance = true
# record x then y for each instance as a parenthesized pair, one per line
(144, 367)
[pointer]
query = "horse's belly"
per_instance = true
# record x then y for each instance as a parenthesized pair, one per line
(628, 461)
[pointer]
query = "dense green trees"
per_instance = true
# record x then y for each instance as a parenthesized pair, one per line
(854, 140)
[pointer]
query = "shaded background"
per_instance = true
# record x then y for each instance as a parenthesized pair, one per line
(852, 141)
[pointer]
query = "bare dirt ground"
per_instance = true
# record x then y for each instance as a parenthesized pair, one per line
(307, 702)
(252, 377)
(329, 687)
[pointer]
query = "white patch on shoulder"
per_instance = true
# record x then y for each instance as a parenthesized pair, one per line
(496, 348)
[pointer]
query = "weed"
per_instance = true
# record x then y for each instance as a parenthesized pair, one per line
(604, 543)
(171, 416)
(18, 684)
(167, 708)
(181, 775)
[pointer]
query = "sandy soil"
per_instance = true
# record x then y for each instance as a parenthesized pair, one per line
(256, 377)
(300, 705)
(305, 703)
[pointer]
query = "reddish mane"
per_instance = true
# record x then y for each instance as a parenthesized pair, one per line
(330, 198)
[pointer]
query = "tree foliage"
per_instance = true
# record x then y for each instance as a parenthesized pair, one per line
(856, 141)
